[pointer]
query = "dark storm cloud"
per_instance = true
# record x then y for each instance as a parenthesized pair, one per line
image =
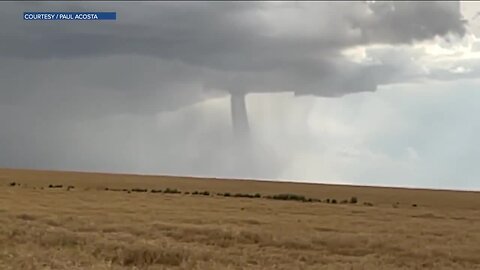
(232, 46)
(213, 33)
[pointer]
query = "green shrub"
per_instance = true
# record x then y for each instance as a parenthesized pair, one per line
(353, 200)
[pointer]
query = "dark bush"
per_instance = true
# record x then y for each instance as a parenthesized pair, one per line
(327, 200)
(12, 184)
(70, 187)
(186, 193)
(205, 193)
(289, 197)
(368, 204)
(55, 186)
(246, 195)
(172, 191)
(353, 200)
(280, 197)
(226, 194)
(334, 201)
(257, 195)
(414, 205)
(139, 190)
(344, 201)
(156, 191)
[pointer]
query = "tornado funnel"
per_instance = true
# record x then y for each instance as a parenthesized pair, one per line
(239, 114)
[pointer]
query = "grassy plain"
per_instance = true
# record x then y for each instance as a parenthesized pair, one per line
(88, 227)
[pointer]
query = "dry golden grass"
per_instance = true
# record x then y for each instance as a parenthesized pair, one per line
(90, 228)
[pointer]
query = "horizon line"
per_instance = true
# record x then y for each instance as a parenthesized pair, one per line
(286, 181)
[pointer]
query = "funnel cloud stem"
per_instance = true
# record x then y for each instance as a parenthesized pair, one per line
(239, 114)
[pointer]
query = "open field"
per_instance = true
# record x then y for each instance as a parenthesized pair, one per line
(88, 227)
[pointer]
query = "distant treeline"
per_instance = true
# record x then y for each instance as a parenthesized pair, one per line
(282, 197)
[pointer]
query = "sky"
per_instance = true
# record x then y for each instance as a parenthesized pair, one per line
(382, 93)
